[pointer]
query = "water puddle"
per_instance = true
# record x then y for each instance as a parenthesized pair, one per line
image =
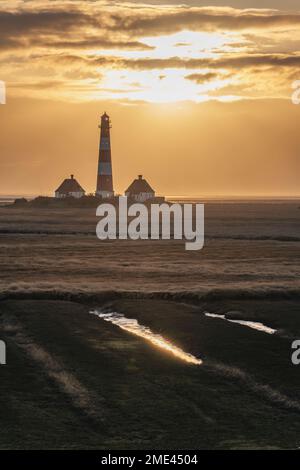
(132, 326)
(251, 324)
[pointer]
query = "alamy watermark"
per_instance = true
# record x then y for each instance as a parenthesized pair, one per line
(2, 352)
(296, 93)
(296, 354)
(2, 92)
(156, 221)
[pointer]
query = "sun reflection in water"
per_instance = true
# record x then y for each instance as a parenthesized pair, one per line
(251, 324)
(132, 326)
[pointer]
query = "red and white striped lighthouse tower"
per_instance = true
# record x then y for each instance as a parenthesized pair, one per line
(104, 179)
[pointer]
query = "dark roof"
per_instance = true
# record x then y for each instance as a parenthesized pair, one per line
(139, 185)
(70, 185)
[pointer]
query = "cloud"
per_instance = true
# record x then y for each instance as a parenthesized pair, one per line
(229, 61)
(42, 22)
(86, 41)
(125, 22)
(201, 78)
(203, 19)
(97, 43)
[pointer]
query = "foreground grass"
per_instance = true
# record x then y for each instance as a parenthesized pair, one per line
(74, 381)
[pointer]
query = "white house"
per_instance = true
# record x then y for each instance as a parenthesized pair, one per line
(140, 190)
(69, 188)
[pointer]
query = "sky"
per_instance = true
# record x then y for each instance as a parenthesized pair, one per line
(199, 94)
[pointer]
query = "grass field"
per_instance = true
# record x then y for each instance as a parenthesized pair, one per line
(74, 381)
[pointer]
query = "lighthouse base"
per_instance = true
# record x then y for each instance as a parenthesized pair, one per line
(105, 194)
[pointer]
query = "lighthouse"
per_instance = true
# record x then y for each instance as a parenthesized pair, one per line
(104, 178)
